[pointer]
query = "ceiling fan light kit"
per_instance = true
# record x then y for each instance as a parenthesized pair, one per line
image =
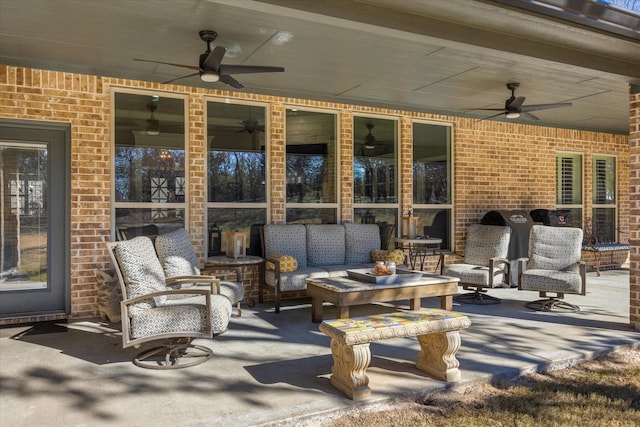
(209, 77)
(512, 115)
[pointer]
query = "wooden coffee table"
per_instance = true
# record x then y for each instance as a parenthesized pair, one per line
(344, 292)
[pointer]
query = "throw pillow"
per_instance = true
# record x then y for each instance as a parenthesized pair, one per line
(396, 255)
(379, 255)
(288, 264)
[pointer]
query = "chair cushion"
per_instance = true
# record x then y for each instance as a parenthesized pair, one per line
(176, 254)
(325, 244)
(554, 248)
(234, 291)
(184, 314)
(485, 242)
(289, 239)
(288, 264)
(360, 240)
(551, 281)
(474, 274)
(141, 270)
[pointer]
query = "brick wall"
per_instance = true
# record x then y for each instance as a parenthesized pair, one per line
(497, 165)
(634, 210)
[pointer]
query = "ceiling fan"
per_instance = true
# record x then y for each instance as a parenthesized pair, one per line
(210, 68)
(251, 126)
(513, 107)
(153, 124)
(369, 139)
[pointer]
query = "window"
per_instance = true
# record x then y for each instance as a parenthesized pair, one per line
(375, 165)
(236, 172)
(432, 183)
(375, 160)
(149, 173)
(569, 186)
(311, 166)
(604, 198)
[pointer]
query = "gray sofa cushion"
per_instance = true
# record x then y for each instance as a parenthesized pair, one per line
(286, 239)
(325, 244)
(361, 239)
(297, 280)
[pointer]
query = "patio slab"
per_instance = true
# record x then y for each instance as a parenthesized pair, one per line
(273, 369)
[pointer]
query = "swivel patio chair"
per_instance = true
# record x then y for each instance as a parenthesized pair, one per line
(178, 259)
(485, 263)
(154, 312)
(553, 266)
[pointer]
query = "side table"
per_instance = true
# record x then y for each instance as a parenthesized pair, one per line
(238, 265)
(419, 249)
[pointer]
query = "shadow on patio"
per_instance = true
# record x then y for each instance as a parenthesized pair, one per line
(270, 368)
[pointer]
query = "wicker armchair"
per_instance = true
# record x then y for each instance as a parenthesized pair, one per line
(553, 266)
(485, 263)
(153, 311)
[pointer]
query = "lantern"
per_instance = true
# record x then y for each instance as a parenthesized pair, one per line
(368, 218)
(215, 240)
(409, 227)
(236, 244)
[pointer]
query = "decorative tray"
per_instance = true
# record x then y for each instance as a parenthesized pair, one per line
(366, 275)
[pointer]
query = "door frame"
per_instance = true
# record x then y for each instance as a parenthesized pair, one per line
(32, 129)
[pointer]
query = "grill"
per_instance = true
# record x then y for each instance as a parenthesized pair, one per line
(520, 223)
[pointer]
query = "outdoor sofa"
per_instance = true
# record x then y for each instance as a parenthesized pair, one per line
(295, 252)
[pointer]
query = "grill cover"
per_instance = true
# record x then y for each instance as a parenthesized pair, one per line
(555, 218)
(520, 223)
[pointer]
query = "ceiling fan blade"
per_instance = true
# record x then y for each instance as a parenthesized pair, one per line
(180, 78)
(517, 103)
(488, 109)
(246, 69)
(191, 67)
(539, 107)
(490, 117)
(529, 115)
(231, 81)
(213, 60)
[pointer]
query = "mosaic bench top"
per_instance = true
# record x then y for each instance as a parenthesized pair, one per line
(408, 323)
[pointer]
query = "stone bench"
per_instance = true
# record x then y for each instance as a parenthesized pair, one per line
(437, 332)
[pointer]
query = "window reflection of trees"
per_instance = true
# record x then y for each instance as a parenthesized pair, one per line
(430, 183)
(305, 177)
(236, 176)
(374, 180)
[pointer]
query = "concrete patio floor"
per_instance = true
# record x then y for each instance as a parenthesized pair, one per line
(273, 369)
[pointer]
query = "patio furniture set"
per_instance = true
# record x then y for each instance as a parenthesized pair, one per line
(167, 299)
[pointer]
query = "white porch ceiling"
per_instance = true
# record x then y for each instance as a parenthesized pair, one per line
(446, 57)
